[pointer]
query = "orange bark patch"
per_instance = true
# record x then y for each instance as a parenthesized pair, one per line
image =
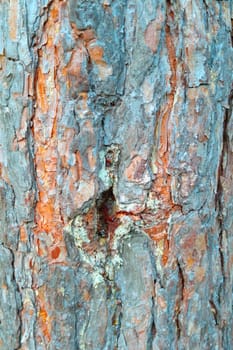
(45, 324)
(41, 91)
(47, 213)
(43, 315)
(48, 219)
(54, 13)
(161, 188)
(96, 53)
(23, 234)
(157, 232)
(55, 253)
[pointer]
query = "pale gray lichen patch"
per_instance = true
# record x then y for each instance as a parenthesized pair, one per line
(108, 159)
(78, 231)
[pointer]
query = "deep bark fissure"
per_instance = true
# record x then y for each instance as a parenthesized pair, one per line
(232, 32)
(220, 190)
(116, 322)
(180, 301)
(214, 310)
(14, 279)
(152, 331)
(105, 212)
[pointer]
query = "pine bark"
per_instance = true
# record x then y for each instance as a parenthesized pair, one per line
(116, 163)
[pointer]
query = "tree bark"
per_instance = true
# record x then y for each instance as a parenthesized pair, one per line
(116, 163)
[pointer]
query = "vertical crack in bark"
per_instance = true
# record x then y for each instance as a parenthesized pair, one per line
(161, 187)
(106, 214)
(180, 300)
(221, 173)
(219, 203)
(232, 32)
(20, 306)
(164, 114)
(214, 310)
(116, 322)
(17, 289)
(152, 331)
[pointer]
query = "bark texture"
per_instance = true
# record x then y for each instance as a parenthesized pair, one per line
(116, 163)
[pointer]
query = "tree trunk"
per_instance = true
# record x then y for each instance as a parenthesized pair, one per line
(116, 163)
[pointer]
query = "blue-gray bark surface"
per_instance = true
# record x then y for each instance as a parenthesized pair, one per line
(116, 163)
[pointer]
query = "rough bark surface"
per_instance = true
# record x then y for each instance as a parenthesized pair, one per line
(116, 163)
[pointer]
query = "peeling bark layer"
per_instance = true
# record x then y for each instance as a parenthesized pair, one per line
(116, 162)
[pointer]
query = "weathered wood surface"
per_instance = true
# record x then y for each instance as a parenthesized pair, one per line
(116, 163)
